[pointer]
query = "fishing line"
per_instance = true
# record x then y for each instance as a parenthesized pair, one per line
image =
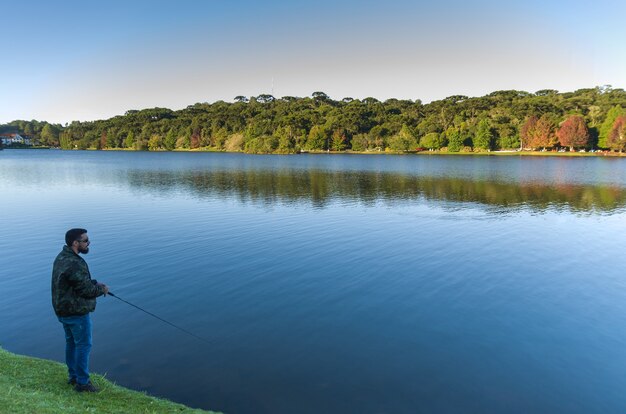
(161, 319)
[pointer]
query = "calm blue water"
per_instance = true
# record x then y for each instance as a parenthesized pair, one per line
(332, 283)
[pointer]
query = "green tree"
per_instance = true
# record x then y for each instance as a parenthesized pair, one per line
(66, 140)
(113, 138)
(144, 136)
(286, 140)
(455, 140)
(320, 96)
(155, 142)
(594, 113)
(607, 125)
(183, 141)
(404, 140)
(433, 140)
(265, 144)
(49, 136)
(317, 138)
(378, 135)
(28, 129)
(508, 141)
(506, 137)
(88, 140)
(339, 141)
(218, 138)
(142, 144)
(360, 142)
(483, 139)
(129, 141)
(170, 140)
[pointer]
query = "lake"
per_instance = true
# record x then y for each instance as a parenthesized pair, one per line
(331, 283)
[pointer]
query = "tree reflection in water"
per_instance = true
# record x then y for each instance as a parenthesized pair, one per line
(319, 188)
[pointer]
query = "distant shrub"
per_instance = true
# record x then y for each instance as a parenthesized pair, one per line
(261, 145)
(433, 140)
(234, 143)
(183, 142)
(360, 142)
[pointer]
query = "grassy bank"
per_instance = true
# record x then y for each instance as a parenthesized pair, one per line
(506, 153)
(500, 153)
(32, 385)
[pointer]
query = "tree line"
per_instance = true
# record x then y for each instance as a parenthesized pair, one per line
(591, 118)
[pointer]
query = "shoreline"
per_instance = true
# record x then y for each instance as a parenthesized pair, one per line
(505, 153)
(34, 385)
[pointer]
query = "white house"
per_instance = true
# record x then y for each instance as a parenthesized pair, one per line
(8, 139)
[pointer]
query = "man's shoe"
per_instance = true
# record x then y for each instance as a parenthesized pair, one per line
(71, 381)
(85, 387)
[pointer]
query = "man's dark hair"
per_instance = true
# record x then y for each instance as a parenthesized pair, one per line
(72, 235)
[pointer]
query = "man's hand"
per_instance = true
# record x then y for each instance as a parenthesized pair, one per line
(104, 287)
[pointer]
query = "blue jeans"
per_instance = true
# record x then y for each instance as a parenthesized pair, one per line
(77, 346)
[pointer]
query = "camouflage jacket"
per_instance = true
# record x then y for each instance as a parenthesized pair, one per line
(74, 292)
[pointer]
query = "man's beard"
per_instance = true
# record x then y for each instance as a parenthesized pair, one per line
(84, 251)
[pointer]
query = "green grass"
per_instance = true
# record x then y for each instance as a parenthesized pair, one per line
(33, 385)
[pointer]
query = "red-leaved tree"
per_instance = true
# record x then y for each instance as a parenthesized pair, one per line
(573, 132)
(195, 139)
(617, 137)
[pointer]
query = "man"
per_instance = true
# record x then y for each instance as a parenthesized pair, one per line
(74, 295)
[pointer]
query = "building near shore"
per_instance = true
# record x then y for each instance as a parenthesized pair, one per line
(15, 138)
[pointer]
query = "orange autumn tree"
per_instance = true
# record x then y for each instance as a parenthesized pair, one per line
(573, 133)
(539, 132)
(545, 132)
(527, 132)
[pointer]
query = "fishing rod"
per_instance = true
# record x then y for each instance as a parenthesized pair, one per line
(161, 319)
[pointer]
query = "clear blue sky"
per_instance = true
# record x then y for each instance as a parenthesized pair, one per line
(80, 60)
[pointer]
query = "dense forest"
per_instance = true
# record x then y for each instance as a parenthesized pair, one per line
(585, 119)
